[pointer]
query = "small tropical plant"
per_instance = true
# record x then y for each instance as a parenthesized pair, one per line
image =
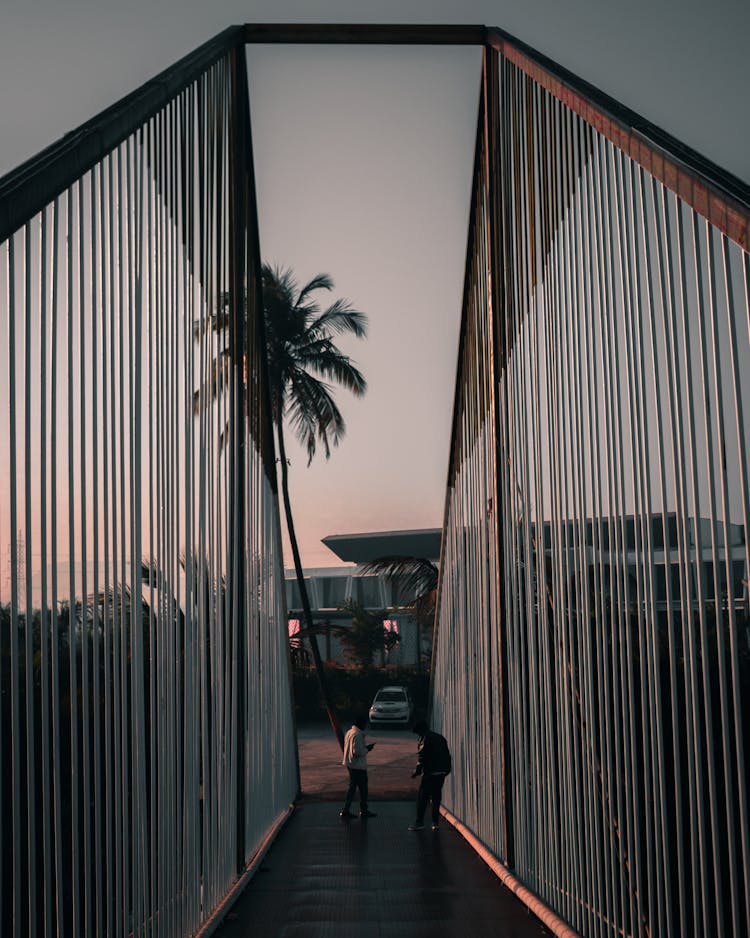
(366, 636)
(416, 577)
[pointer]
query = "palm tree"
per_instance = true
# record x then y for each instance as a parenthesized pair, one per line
(303, 362)
(302, 359)
(416, 577)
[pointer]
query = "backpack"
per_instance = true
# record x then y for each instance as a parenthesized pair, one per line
(440, 755)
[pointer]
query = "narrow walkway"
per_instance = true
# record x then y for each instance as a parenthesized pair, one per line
(328, 878)
(390, 764)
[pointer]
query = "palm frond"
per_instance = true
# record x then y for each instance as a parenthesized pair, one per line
(219, 377)
(217, 321)
(415, 575)
(303, 359)
(224, 436)
(313, 414)
(330, 364)
(339, 319)
(279, 284)
(319, 282)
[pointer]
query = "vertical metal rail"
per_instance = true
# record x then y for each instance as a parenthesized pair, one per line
(469, 591)
(602, 391)
(147, 733)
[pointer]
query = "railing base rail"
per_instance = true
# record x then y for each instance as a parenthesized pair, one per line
(555, 924)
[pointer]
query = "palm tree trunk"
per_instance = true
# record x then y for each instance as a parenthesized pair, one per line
(324, 691)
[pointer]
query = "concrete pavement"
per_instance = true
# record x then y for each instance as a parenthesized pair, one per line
(390, 764)
(328, 878)
(325, 877)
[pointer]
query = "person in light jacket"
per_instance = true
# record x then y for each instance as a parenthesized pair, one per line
(355, 760)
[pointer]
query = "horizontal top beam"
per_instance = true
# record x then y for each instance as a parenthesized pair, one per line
(714, 193)
(365, 34)
(26, 190)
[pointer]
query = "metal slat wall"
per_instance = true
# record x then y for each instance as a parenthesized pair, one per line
(468, 644)
(466, 681)
(147, 732)
(597, 698)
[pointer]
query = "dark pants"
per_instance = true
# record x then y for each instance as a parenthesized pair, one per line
(430, 789)
(357, 779)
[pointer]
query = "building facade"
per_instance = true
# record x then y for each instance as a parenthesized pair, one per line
(330, 589)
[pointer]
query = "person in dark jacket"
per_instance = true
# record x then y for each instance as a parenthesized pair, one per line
(433, 764)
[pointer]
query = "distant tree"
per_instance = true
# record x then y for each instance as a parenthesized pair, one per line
(324, 628)
(367, 635)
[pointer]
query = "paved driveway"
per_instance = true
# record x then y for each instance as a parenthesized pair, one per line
(390, 764)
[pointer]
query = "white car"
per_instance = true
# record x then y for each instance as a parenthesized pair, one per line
(391, 705)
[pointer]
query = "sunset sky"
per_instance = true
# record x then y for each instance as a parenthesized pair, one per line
(363, 161)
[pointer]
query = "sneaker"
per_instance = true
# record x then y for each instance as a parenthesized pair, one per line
(347, 814)
(436, 827)
(416, 826)
(366, 814)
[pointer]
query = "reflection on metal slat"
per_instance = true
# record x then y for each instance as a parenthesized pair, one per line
(669, 304)
(744, 482)
(703, 297)
(723, 519)
(28, 636)
(46, 780)
(72, 609)
(14, 644)
(55, 620)
(96, 261)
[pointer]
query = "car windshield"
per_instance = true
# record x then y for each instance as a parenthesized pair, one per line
(390, 696)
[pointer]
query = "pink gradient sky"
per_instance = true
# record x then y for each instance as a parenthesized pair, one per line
(363, 160)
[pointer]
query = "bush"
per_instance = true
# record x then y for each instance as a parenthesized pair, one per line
(352, 690)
